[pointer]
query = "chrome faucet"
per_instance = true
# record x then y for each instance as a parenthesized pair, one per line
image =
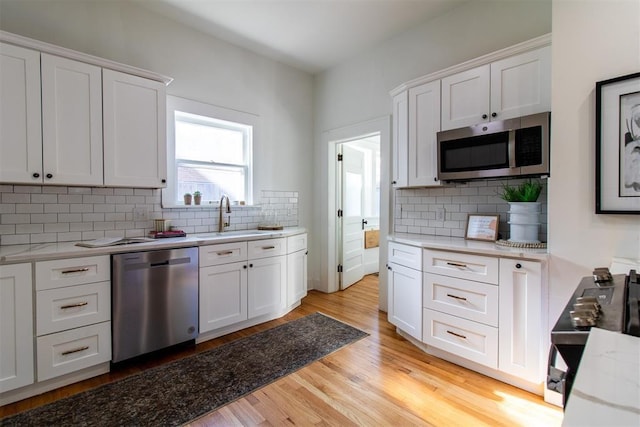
(221, 224)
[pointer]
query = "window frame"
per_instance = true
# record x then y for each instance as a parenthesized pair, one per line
(170, 198)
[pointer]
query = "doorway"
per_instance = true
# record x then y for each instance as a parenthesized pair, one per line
(330, 277)
(358, 203)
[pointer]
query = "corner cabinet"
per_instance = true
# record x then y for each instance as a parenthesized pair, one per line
(416, 120)
(16, 333)
(405, 288)
(134, 131)
(511, 87)
(296, 268)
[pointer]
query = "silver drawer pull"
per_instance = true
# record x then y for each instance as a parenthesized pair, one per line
(268, 247)
(80, 304)
(75, 350)
(225, 253)
(455, 264)
(77, 270)
(456, 335)
(456, 297)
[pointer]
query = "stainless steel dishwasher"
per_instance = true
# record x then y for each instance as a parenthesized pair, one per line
(154, 300)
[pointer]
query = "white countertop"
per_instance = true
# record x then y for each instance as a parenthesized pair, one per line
(470, 246)
(44, 251)
(606, 391)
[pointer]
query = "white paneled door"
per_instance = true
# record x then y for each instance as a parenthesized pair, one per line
(353, 216)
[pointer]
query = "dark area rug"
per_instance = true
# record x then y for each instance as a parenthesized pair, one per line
(180, 391)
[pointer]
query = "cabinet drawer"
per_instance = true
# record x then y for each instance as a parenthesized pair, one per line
(296, 243)
(74, 271)
(71, 307)
(474, 341)
(463, 298)
(464, 266)
(72, 350)
(223, 253)
(266, 248)
(408, 256)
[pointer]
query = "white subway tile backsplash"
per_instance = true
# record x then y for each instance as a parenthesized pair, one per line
(42, 214)
(458, 201)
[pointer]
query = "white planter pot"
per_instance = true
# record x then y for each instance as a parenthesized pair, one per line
(524, 222)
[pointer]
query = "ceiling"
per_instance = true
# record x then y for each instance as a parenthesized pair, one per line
(311, 35)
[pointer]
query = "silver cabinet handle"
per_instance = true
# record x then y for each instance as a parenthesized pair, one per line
(75, 350)
(77, 270)
(456, 335)
(80, 304)
(225, 253)
(456, 297)
(456, 264)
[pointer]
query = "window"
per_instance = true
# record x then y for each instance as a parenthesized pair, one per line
(209, 150)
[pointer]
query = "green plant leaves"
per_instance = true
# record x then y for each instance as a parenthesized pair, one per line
(527, 191)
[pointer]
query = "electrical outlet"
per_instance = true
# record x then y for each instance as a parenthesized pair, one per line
(140, 214)
(440, 214)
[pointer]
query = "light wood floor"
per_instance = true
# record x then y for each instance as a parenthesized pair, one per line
(381, 380)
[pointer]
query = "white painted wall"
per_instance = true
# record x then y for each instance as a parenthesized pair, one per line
(358, 90)
(204, 68)
(592, 40)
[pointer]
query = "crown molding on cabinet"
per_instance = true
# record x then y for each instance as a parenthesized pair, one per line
(534, 43)
(79, 56)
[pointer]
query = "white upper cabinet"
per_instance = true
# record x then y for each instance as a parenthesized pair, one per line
(135, 149)
(400, 141)
(515, 86)
(20, 119)
(71, 122)
(424, 123)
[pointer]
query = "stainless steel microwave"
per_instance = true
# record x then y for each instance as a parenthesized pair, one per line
(507, 148)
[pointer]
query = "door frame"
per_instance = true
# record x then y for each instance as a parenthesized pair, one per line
(334, 137)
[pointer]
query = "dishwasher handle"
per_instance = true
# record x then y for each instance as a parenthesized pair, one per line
(157, 264)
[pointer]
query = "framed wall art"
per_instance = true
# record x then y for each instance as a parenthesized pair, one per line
(618, 145)
(482, 227)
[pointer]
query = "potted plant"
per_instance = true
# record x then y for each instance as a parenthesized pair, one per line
(197, 197)
(187, 198)
(524, 210)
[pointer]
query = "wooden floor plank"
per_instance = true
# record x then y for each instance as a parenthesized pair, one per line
(380, 380)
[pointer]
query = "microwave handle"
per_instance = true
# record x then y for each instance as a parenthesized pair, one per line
(512, 148)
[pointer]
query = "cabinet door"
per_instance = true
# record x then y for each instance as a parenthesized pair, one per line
(424, 122)
(71, 122)
(135, 146)
(223, 295)
(16, 327)
(296, 276)
(520, 317)
(20, 117)
(521, 84)
(465, 98)
(405, 299)
(267, 285)
(400, 140)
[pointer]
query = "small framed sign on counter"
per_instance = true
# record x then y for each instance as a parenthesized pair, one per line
(482, 227)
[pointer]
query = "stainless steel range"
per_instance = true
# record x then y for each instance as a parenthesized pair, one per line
(603, 301)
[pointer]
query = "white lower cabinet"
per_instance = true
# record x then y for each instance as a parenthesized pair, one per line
(241, 281)
(296, 268)
(266, 288)
(16, 331)
(65, 352)
(465, 338)
(223, 295)
(521, 331)
(485, 309)
(405, 289)
(73, 315)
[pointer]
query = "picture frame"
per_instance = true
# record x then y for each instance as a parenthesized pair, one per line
(482, 227)
(618, 145)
